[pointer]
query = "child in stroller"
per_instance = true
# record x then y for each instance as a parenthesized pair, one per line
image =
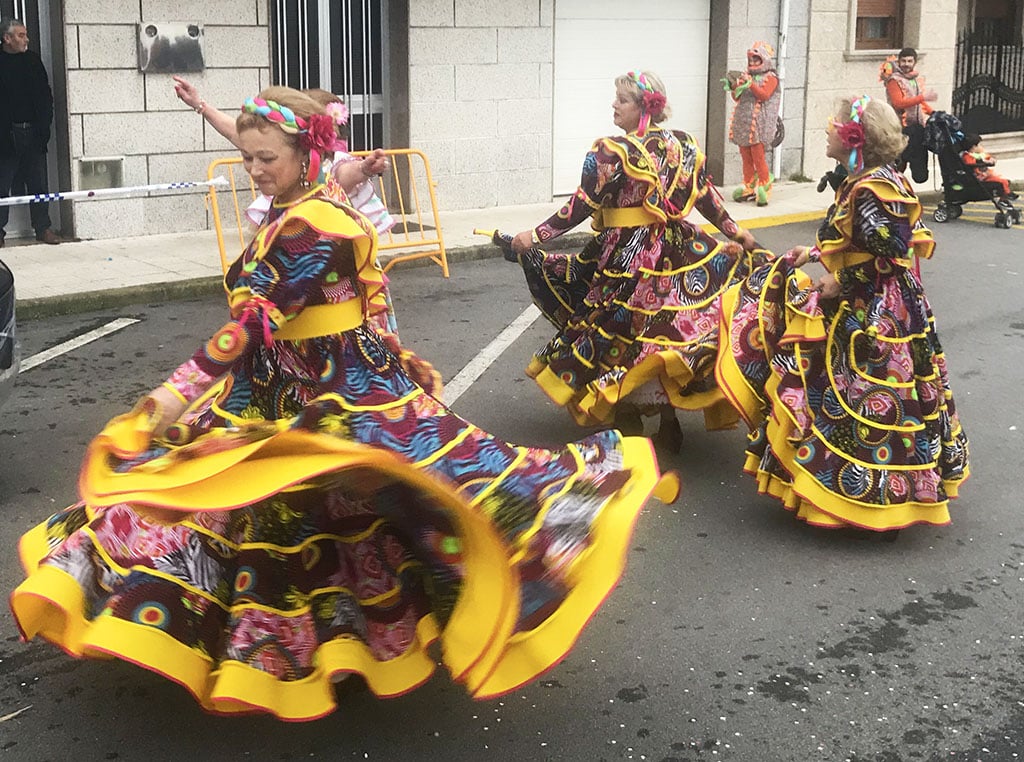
(960, 184)
(978, 159)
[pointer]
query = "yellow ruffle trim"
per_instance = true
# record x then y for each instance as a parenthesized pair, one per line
(334, 220)
(478, 645)
(835, 254)
(803, 494)
(595, 404)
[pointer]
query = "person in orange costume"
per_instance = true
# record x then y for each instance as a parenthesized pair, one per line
(906, 92)
(754, 119)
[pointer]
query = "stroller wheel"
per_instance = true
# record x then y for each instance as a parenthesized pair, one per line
(955, 210)
(1003, 221)
(941, 214)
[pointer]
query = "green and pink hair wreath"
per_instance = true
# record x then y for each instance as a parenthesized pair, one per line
(851, 134)
(652, 102)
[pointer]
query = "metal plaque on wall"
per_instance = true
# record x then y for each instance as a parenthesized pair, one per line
(170, 47)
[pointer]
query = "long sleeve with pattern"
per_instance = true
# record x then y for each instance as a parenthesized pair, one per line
(281, 284)
(598, 169)
(712, 206)
(882, 229)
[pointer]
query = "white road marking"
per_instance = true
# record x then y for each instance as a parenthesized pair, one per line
(476, 367)
(71, 344)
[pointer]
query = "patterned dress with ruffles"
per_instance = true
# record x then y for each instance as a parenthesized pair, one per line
(848, 400)
(315, 512)
(637, 309)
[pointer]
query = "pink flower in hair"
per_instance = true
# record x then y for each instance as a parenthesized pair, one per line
(337, 111)
(654, 102)
(321, 134)
(851, 135)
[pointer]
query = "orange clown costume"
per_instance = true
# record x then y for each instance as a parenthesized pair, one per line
(754, 120)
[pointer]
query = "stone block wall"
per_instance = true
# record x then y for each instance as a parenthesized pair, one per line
(837, 70)
(746, 22)
(115, 110)
(480, 76)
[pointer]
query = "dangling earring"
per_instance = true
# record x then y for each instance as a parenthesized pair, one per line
(304, 176)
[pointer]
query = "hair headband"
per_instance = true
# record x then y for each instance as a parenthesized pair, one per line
(280, 115)
(651, 101)
(851, 134)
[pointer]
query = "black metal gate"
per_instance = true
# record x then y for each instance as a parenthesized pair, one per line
(988, 94)
(337, 46)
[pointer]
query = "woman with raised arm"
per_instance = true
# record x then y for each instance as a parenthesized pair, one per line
(843, 382)
(289, 507)
(637, 309)
(352, 176)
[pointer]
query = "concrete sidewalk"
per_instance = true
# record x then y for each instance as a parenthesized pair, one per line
(98, 274)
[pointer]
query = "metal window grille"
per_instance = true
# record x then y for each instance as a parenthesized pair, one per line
(337, 46)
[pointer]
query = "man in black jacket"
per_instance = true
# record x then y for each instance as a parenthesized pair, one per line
(26, 111)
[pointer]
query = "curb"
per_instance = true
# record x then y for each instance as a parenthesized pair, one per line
(477, 251)
(72, 304)
(87, 301)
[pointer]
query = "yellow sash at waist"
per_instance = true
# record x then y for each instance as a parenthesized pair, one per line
(322, 320)
(627, 217)
(838, 260)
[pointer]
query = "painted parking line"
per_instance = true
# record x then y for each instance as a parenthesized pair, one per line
(476, 367)
(71, 344)
(770, 221)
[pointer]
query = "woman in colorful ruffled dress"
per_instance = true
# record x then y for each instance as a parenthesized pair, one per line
(843, 382)
(637, 309)
(290, 507)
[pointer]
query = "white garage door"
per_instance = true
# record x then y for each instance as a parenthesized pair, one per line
(597, 40)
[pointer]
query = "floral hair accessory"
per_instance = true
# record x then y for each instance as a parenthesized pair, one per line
(337, 111)
(852, 135)
(320, 135)
(320, 139)
(652, 102)
(317, 134)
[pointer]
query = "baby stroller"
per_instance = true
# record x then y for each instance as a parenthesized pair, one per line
(943, 136)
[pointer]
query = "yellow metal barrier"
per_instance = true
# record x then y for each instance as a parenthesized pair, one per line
(231, 168)
(412, 237)
(402, 190)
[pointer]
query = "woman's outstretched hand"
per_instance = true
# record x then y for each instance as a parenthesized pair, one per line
(186, 92)
(746, 239)
(170, 407)
(798, 256)
(375, 163)
(522, 241)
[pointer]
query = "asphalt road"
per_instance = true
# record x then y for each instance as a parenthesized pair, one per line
(736, 634)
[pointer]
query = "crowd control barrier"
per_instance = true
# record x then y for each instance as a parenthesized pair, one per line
(406, 189)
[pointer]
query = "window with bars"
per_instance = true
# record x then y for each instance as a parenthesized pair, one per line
(879, 25)
(337, 45)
